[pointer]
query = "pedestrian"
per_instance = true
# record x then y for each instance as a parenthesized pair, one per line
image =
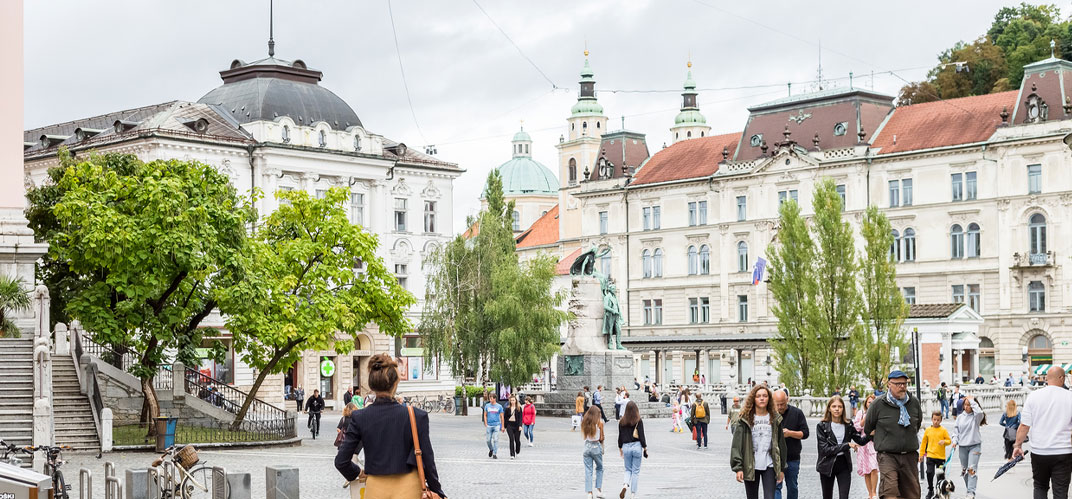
(592, 432)
(313, 407)
(758, 451)
(636, 384)
(587, 399)
(625, 400)
(386, 431)
(358, 400)
(733, 413)
(895, 420)
(528, 419)
(943, 399)
(631, 446)
(1047, 419)
(834, 436)
(676, 417)
(299, 398)
(701, 416)
(344, 422)
(866, 459)
(512, 422)
(1011, 421)
(578, 410)
(969, 441)
(932, 448)
(854, 400)
(347, 397)
(597, 400)
(795, 430)
(493, 424)
(953, 399)
(618, 402)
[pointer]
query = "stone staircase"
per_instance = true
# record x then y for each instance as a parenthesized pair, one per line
(71, 409)
(16, 387)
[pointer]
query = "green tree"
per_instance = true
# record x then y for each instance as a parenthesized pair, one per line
(793, 286)
(1024, 33)
(883, 307)
(147, 245)
(12, 299)
(837, 297)
(314, 282)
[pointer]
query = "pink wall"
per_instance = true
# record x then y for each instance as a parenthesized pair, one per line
(11, 86)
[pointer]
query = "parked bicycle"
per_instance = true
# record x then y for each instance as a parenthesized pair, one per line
(52, 468)
(177, 475)
(9, 453)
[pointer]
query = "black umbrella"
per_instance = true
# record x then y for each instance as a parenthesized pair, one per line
(1008, 466)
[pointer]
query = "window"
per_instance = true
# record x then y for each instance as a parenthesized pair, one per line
(742, 256)
(742, 208)
(958, 293)
(958, 186)
(742, 308)
(604, 264)
(647, 218)
(323, 139)
(973, 240)
(647, 312)
(969, 184)
(401, 273)
(694, 261)
(357, 208)
(956, 241)
(701, 207)
(705, 310)
(645, 262)
(906, 192)
(895, 248)
(657, 263)
(909, 294)
(1034, 179)
(692, 213)
(694, 310)
(1037, 227)
(603, 222)
(973, 297)
(909, 242)
(656, 220)
(286, 134)
(657, 311)
(572, 171)
(321, 193)
(705, 260)
(400, 214)
(783, 196)
(430, 216)
(1036, 296)
(516, 220)
(841, 193)
(895, 193)
(357, 142)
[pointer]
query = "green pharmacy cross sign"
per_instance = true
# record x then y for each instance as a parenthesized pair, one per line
(327, 368)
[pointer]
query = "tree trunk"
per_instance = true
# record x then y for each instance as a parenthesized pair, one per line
(257, 384)
(465, 398)
(152, 404)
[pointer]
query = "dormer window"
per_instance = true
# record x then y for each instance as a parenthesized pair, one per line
(841, 128)
(756, 140)
(1036, 109)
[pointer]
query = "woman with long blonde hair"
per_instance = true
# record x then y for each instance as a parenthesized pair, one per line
(1011, 421)
(866, 458)
(592, 431)
(758, 451)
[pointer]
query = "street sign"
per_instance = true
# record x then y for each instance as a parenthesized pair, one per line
(327, 368)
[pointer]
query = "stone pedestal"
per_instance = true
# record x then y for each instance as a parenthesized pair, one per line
(610, 369)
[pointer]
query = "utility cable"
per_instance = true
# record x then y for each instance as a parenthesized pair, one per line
(519, 51)
(401, 69)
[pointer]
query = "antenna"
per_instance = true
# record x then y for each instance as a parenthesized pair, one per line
(271, 30)
(819, 73)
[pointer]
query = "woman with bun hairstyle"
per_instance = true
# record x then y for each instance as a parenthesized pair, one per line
(383, 430)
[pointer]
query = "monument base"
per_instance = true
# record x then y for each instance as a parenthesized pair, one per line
(609, 368)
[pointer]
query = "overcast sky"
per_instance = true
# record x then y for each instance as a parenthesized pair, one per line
(470, 87)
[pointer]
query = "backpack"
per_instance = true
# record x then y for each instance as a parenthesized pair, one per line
(700, 412)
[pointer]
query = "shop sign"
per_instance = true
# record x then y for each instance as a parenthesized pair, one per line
(327, 368)
(412, 352)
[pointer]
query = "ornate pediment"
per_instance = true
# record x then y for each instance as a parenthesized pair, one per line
(401, 188)
(430, 191)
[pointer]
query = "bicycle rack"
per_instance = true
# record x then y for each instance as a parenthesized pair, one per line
(85, 484)
(111, 481)
(109, 469)
(219, 483)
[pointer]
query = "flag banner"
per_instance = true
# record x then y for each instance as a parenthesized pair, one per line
(757, 274)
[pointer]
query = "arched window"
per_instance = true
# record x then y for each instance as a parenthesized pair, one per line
(1039, 350)
(357, 142)
(701, 133)
(1039, 342)
(323, 139)
(973, 240)
(742, 257)
(956, 241)
(694, 263)
(909, 243)
(895, 248)
(688, 134)
(572, 170)
(597, 124)
(657, 263)
(705, 260)
(1037, 227)
(986, 357)
(584, 128)
(526, 148)
(645, 260)
(677, 135)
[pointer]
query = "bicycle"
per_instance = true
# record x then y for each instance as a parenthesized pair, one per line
(176, 476)
(52, 468)
(10, 453)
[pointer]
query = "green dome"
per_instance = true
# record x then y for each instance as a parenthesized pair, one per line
(522, 136)
(523, 175)
(690, 117)
(587, 106)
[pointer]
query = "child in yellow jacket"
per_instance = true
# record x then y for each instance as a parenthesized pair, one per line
(932, 448)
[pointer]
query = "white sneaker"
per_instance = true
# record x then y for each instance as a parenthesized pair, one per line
(599, 493)
(589, 495)
(532, 444)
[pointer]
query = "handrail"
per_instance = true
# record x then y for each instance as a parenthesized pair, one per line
(96, 404)
(230, 399)
(107, 354)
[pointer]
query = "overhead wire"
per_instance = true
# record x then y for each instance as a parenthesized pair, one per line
(519, 51)
(402, 69)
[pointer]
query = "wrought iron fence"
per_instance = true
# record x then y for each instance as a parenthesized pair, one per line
(105, 353)
(162, 380)
(230, 399)
(202, 432)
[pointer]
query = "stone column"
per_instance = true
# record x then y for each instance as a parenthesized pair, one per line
(701, 364)
(975, 372)
(653, 366)
(957, 373)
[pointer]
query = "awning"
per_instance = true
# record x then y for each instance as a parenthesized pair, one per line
(1042, 368)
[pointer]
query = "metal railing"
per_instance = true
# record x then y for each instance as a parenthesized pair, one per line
(92, 389)
(261, 417)
(162, 380)
(122, 361)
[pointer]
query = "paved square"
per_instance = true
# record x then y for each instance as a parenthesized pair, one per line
(552, 469)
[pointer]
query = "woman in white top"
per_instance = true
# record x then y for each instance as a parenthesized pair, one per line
(835, 435)
(967, 437)
(624, 402)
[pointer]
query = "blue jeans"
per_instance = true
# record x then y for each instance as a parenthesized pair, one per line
(593, 455)
(633, 453)
(969, 460)
(792, 469)
(528, 431)
(493, 439)
(945, 408)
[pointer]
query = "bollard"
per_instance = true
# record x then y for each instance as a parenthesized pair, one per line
(218, 487)
(140, 485)
(106, 430)
(109, 469)
(239, 486)
(113, 488)
(85, 484)
(281, 482)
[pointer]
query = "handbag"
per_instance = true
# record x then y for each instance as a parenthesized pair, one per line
(339, 438)
(425, 493)
(1010, 433)
(636, 434)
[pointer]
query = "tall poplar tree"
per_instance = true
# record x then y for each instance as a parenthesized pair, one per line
(883, 307)
(792, 284)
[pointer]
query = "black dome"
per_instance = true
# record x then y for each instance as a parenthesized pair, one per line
(270, 88)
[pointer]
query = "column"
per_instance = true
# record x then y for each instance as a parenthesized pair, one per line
(957, 373)
(975, 364)
(701, 364)
(653, 366)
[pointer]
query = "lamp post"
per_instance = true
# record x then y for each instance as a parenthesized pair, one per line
(919, 380)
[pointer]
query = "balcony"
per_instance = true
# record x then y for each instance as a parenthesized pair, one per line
(1033, 259)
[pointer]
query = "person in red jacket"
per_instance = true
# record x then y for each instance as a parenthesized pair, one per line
(528, 419)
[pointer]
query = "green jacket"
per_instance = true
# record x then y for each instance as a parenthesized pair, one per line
(742, 455)
(890, 436)
(707, 413)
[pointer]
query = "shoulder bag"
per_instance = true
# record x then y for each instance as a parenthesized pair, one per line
(425, 493)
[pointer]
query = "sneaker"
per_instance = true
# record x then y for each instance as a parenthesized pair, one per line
(495, 456)
(622, 495)
(491, 453)
(532, 444)
(599, 493)
(589, 495)
(511, 458)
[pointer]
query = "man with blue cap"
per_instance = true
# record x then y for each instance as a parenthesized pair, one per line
(894, 419)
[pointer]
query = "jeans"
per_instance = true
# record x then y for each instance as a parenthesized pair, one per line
(633, 453)
(701, 434)
(767, 477)
(969, 463)
(593, 455)
(792, 470)
(493, 439)
(1046, 469)
(945, 408)
(528, 431)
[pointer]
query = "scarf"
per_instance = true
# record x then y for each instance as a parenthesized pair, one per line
(903, 419)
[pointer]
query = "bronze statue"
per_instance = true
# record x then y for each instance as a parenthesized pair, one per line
(585, 265)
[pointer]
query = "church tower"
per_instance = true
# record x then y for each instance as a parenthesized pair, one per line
(689, 123)
(578, 150)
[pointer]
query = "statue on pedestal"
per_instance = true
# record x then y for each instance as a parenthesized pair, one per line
(585, 265)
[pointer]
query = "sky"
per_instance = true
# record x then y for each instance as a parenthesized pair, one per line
(476, 70)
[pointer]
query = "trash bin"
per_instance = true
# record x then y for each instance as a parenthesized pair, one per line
(458, 405)
(165, 433)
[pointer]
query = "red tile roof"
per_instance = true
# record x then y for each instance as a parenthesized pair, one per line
(933, 310)
(543, 231)
(693, 158)
(564, 264)
(943, 123)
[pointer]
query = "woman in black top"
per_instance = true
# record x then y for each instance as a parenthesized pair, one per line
(835, 435)
(512, 421)
(383, 429)
(631, 445)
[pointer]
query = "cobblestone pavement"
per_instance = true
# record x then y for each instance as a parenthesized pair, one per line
(552, 469)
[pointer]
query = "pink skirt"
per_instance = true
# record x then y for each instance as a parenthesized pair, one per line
(866, 459)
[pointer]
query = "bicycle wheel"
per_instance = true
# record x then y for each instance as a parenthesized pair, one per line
(198, 484)
(60, 486)
(448, 406)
